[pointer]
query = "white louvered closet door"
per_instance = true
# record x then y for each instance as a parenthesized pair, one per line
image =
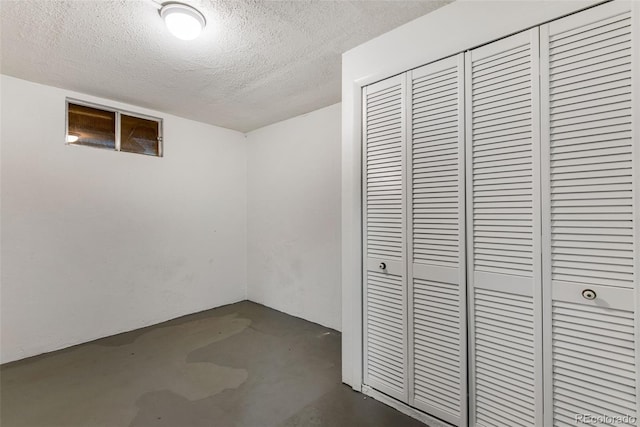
(504, 228)
(437, 297)
(591, 159)
(384, 210)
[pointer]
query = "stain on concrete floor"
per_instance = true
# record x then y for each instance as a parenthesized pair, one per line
(241, 365)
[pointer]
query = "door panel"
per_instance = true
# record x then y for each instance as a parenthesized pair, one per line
(590, 185)
(437, 327)
(384, 209)
(503, 223)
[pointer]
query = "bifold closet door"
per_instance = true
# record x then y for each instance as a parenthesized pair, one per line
(591, 156)
(384, 211)
(504, 229)
(437, 285)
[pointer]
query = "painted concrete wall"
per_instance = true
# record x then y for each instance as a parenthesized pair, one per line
(294, 216)
(454, 28)
(96, 242)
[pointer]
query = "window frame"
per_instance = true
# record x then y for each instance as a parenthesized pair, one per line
(118, 113)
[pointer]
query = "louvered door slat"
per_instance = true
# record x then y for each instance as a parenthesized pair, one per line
(385, 318)
(590, 163)
(503, 227)
(436, 250)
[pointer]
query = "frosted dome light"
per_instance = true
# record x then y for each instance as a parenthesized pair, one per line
(183, 21)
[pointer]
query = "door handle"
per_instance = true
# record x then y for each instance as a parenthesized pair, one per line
(589, 294)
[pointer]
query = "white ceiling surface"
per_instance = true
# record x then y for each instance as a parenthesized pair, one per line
(256, 63)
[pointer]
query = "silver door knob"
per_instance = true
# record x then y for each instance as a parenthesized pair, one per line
(589, 294)
(383, 266)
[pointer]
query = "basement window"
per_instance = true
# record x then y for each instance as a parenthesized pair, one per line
(98, 126)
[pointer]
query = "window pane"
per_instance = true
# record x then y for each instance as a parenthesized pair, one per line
(139, 135)
(91, 126)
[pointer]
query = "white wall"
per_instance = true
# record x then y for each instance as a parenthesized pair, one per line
(96, 242)
(294, 216)
(451, 29)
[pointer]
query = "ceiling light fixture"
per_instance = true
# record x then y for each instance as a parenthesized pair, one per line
(182, 20)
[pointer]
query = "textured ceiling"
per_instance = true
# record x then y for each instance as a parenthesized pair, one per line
(256, 63)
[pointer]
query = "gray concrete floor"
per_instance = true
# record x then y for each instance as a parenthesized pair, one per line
(239, 365)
